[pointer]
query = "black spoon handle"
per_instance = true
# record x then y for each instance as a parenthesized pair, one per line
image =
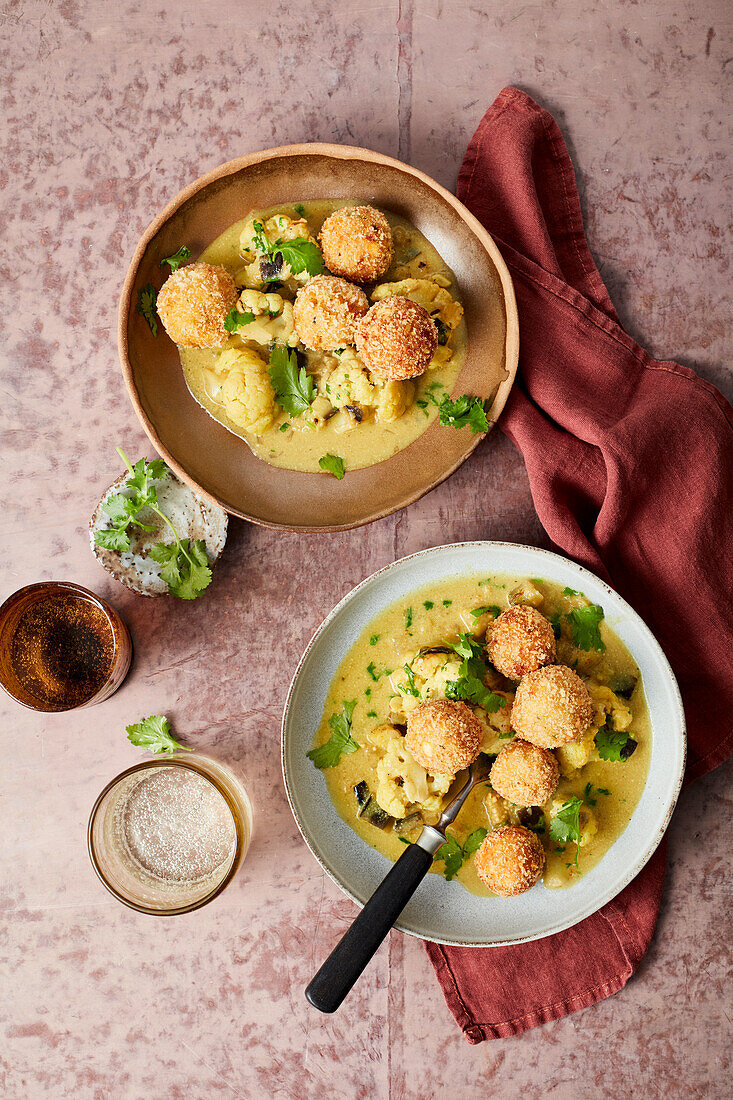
(351, 955)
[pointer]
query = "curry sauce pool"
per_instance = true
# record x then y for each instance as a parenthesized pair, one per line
(355, 416)
(428, 645)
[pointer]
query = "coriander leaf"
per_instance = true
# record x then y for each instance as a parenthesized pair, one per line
(195, 571)
(491, 610)
(113, 538)
(584, 623)
(340, 741)
(428, 605)
(570, 592)
(300, 209)
(119, 508)
(588, 795)
(615, 745)
(332, 464)
(412, 688)
(235, 320)
(301, 255)
(408, 618)
(178, 258)
(464, 412)
(565, 825)
(474, 842)
(374, 639)
(294, 389)
(451, 854)
(154, 734)
(147, 296)
(166, 554)
(260, 238)
(470, 689)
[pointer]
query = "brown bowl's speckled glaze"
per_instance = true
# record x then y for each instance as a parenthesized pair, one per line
(219, 464)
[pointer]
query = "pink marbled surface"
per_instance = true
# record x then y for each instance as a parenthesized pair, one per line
(108, 110)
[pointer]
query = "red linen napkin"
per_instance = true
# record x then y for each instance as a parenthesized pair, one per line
(630, 462)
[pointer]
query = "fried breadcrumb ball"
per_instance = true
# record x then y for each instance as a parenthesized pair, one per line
(519, 641)
(510, 860)
(357, 244)
(396, 339)
(525, 774)
(551, 707)
(193, 304)
(326, 310)
(443, 735)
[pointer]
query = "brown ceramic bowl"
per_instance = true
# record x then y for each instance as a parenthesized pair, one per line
(219, 464)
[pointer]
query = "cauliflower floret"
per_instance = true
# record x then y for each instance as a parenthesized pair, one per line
(403, 786)
(576, 754)
(273, 319)
(428, 294)
(278, 228)
(246, 393)
(526, 594)
(348, 382)
(498, 810)
(497, 725)
(431, 672)
(393, 399)
(607, 703)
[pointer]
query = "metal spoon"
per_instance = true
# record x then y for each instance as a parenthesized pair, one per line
(348, 959)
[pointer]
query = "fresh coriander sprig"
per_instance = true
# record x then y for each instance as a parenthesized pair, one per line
(470, 686)
(454, 854)
(299, 254)
(565, 825)
(293, 386)
(585, 624)
(185, 563)
(328, 754)
(147, 296)
(235, 319)
(614, 745)
(154, 734)
(333, 464)
(178, 258)
(464, 412)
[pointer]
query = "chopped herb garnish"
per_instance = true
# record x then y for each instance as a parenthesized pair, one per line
(492, 610)
(235, 320)
(340, 741)
(454, 854)
(408, 618)
(300, 209)
(584, 623)
(178, 258)
(555, 623)
(614, 745)
(470, 686)
(372, 670)
(371, 714)
(603, 790)
(154, 734)
(447, 603)
(464, 412)
(333, 464)
(284, 427)
(147, 296)
(570, 592)
(411, 688)
(299, 254)
(565, 825)
(428, 605)
(374, 639)
(294, 388)
(588, 795)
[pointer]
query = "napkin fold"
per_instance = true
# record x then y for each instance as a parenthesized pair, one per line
(630, 463)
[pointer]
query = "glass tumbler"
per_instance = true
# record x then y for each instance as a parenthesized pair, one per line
(167, 836)
(61, 647)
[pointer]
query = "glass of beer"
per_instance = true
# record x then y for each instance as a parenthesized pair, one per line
(168, 835)
(61, 647)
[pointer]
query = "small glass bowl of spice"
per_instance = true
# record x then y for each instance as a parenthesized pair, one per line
(167, 836)
(61, 647)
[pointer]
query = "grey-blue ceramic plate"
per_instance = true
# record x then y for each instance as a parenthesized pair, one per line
(443, 911)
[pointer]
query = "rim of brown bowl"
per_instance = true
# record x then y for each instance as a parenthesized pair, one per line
(338, 152)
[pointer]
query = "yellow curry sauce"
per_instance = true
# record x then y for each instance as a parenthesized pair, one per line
(373, 674)
(384, 430)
